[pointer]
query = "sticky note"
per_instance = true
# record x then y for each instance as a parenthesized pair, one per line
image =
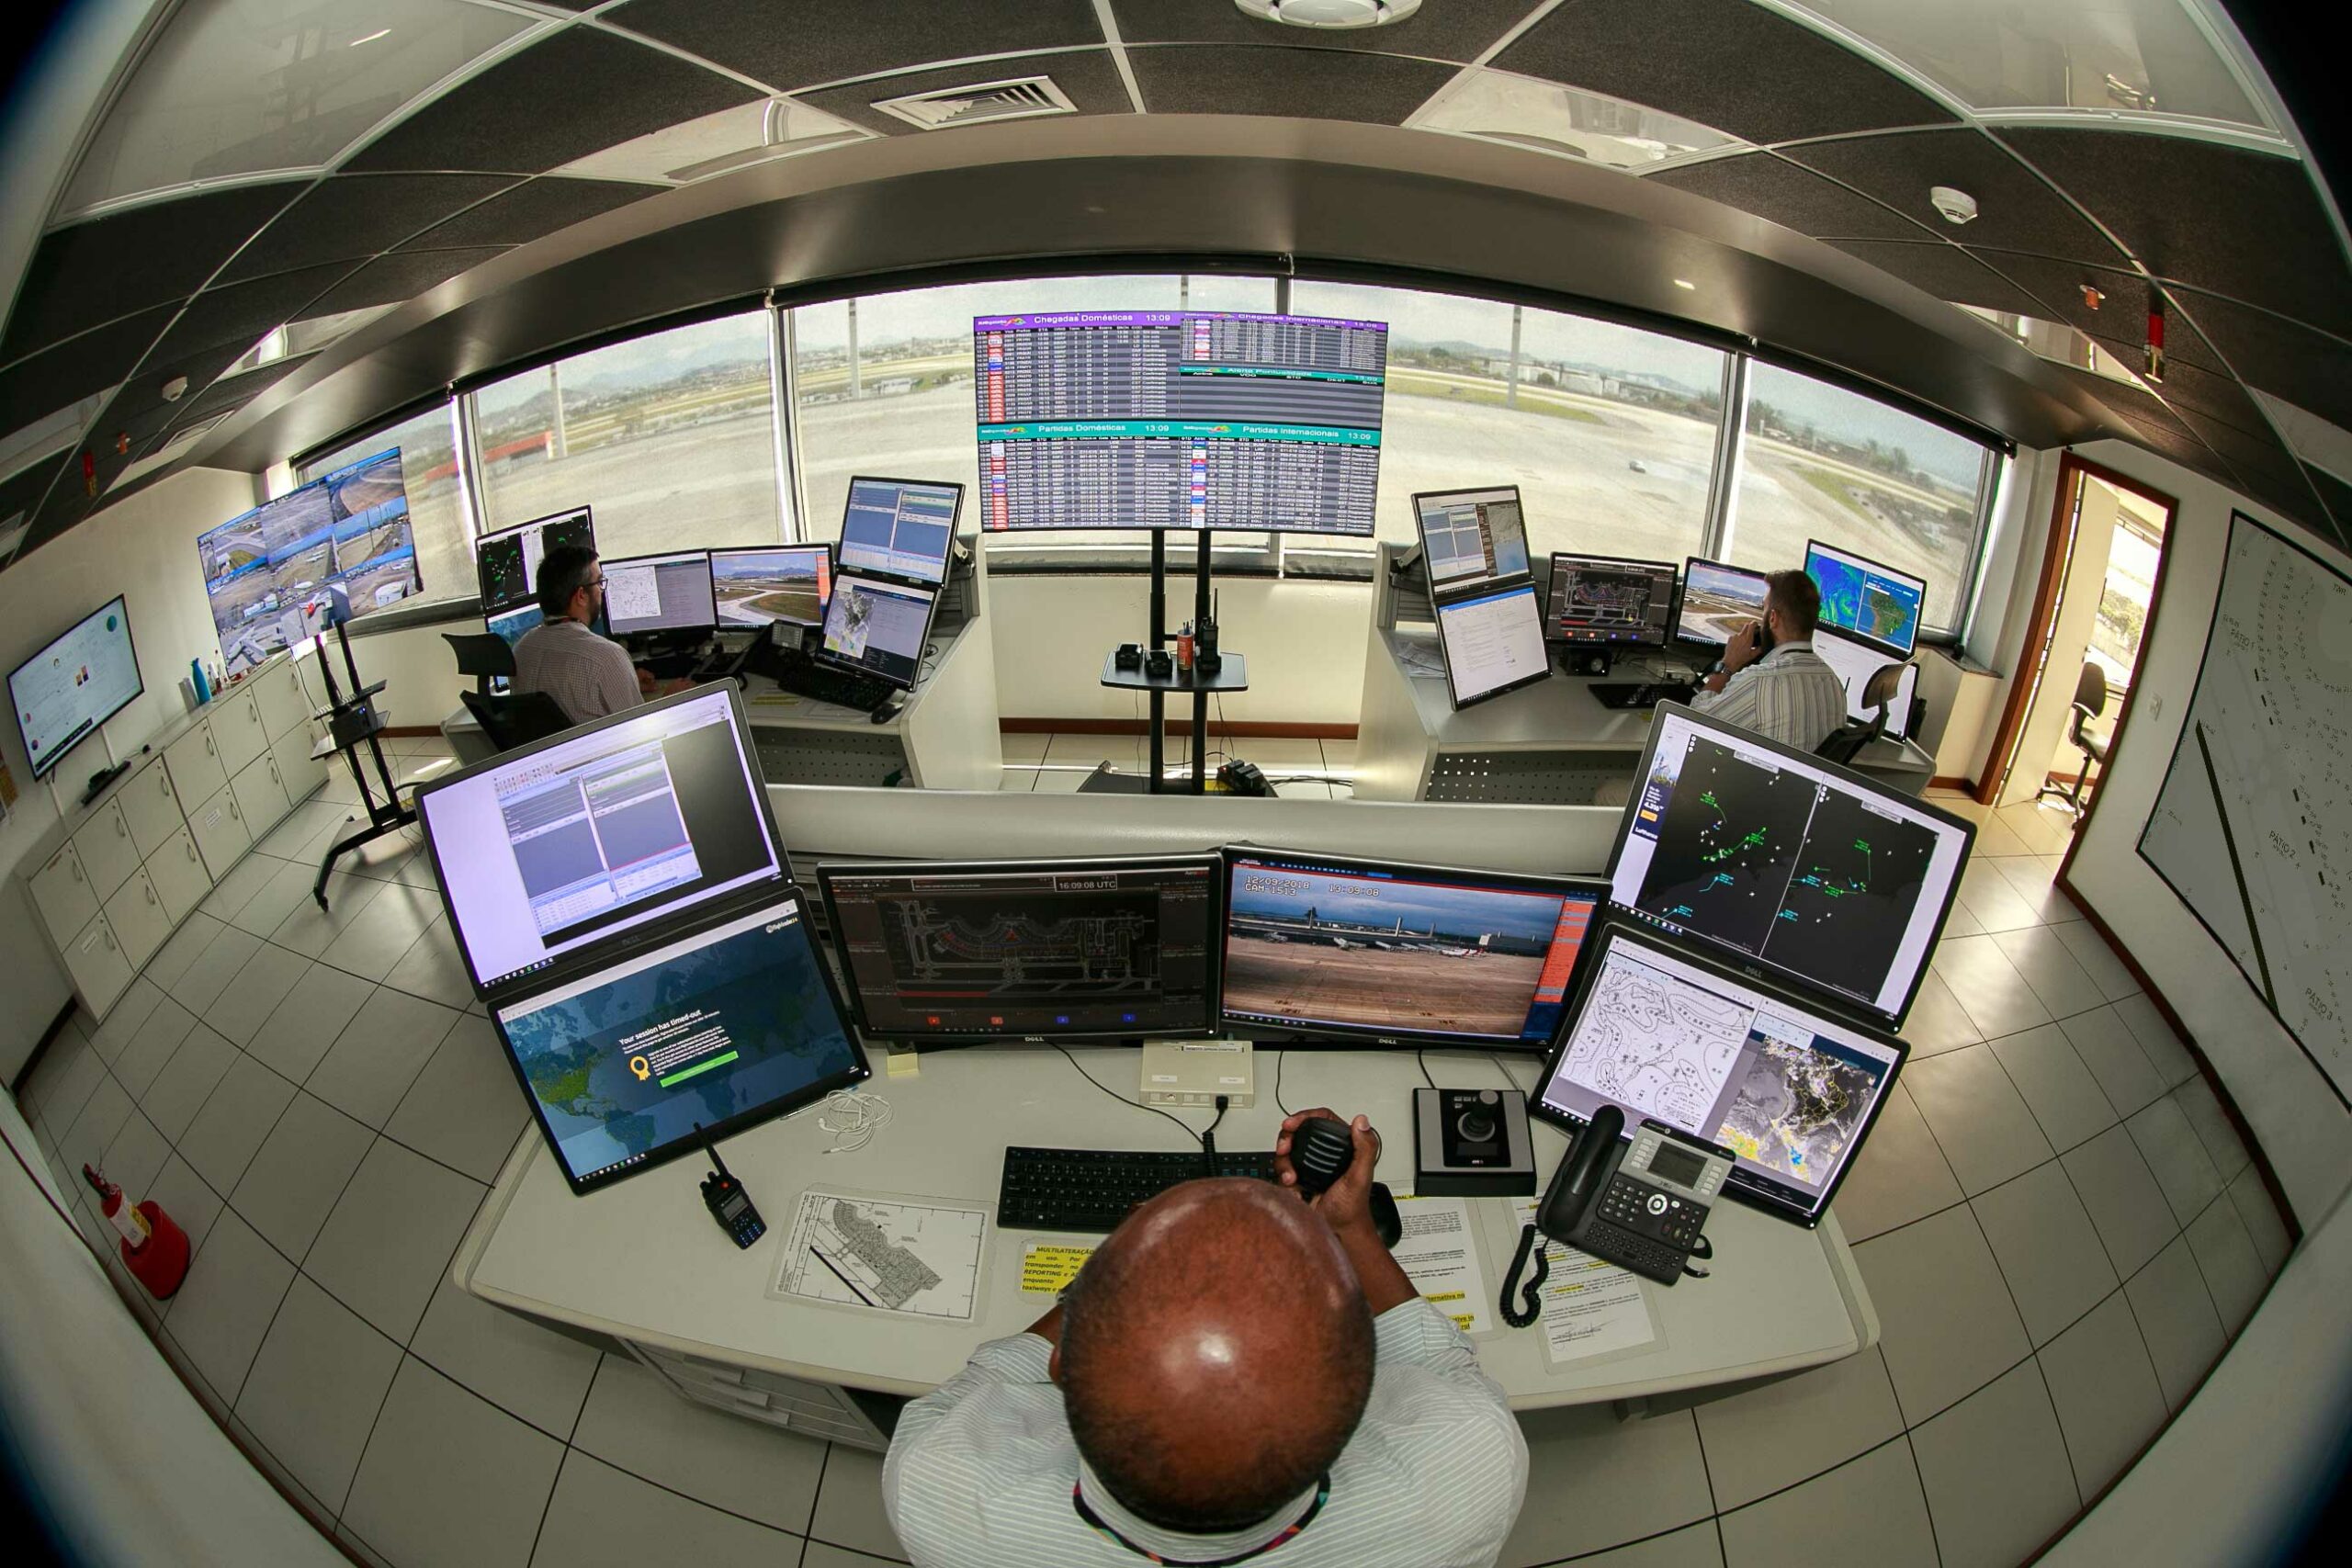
(1047, 1267)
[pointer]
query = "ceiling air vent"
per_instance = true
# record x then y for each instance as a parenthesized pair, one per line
(1024, 97)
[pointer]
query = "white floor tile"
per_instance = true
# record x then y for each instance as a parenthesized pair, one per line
(311, 931)
(1871, 1511)
(432, 969)
(300, 1170)
(187, 1198)
(2058, 1088)
(93, 1132)
(605, 1516)
(151, 1047)
(2125, 1204)
(524, 1368)
(211, 974)
(849, 1504)
(245, 1005)
(1692, 1546)
(449, 1478)
(182, 949)
(1017, 781)
(68, 1071)
(2097, 959)
(1997, 1475)
(1979, 1119)
(389, 1239)
(2165, 1051)
(123, 1020)
(381, 934)
(186, 1081)
(2213, 1125)
(1025, 746)
(2176, 1318)
(2103, 1388)
(2235, 1276)
(1793, 1429)
(1947, 1324)
(634, 1421)
(1990, 990)
(232, 1293)
(821, 1556)
(1996, 839)
(2048, 1249)
(299, 1030)
(288, 889)
(244, 879)
(138, 1155)
(2114, 1057)
(2049, 966)
(1606, 1481)
(463, 1108)
(1997, 905)
(222, 1140)
(2179, 1163)
(371, 1064)
(2263, 1222)
(315, 1388)
(1060, 780)
(1899, 1177)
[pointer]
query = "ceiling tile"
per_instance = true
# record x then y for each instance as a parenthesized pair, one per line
(1945, 271)
(351, 217)
(569, 95)
(106, 268)
(1778, 191)
(2191, 387)
(1726, 63)
(1444, 29)
(528, 211)
(1307, 83)
(240, 313)
(2015, 210)
(21, 492)
(2332, 491)
(2236, 222)
(2306, 368)
(1090, 79)
(238, 390)
(401, 275)
(830, 40)
(2291, 495)
(2122, 312)
(58, 378)
(138, 410)
(2249, 452)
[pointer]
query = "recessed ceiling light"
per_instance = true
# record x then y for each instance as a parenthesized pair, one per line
(1331, 13)
(372, 38)
(1685, 283)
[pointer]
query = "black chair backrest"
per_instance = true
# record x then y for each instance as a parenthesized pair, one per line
(1846, 742)
(482, 655)
(2090, 688)
(516, 719)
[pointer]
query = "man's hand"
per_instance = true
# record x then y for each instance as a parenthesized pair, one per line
(1743, 648)
(1348, 1203)
(1717, 682)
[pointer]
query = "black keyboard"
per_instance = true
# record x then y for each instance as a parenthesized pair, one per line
(1093, 1189)
(827, 684)
(1640, 694)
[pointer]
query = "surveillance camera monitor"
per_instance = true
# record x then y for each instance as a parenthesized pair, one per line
(646, 594)
(1867, 600)
(900, 528)
(1040, 950)
(1664, 1032)
(1790, 864)
(64, 694)
(1470, 537)
(1605, 602)
(788, 585)
(877, 627)
(506, 563)
(1855, 663)
(1321, 950)
(1717, 600)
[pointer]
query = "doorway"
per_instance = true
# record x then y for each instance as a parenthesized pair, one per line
(2102, 578)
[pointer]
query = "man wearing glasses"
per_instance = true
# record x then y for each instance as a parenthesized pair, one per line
(588, 675)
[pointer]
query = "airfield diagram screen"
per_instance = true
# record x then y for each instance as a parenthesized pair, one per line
(1865, 598)
(1312, 947)
(758, 588)
(1597, 600)
(1473, 535)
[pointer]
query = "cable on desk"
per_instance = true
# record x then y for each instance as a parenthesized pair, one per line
(1123, 1099)
(1279, 1057)
(1208, 1139)
(1423, 1056)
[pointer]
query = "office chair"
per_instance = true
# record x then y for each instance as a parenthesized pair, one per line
(485, 656)
(518, 719)
(1846, 742)
(2090, 701)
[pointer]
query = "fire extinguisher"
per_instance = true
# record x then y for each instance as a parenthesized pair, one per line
(153, 1248)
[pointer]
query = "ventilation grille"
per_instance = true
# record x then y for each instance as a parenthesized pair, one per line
(1024, 97)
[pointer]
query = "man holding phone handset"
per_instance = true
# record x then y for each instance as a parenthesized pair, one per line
(1771, 681)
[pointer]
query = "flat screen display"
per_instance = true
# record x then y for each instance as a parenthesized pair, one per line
(1787, 860)
(879, 627)
(1492, 643)
(1041, 948)
(635, 1063)
(900, 528)
(513, 624)
(64, 692)
(1603, 601)
(1856, 662)
(1870, 601)
(646, 813)
(1396, 954)
(659, 593)
(1470, 537)
(1717, 600)
(789, 584)
(1791, 1090)
(507, 562)
(270, 574)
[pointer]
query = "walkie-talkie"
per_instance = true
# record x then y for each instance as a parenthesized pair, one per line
(728, 1202)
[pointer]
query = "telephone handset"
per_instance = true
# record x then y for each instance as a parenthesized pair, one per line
(1640, 1207)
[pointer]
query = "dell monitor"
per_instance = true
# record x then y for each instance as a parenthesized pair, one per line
(1717, 600)
(83, 678)
(646, 594)
(900, 529)
(1664, 1032)
(1324, 950)
(1867, 600)
(785, 585)
(1855, 663)
(1470, 537)
(878, 627)
(1042, 950)
(506, 563)
(1788, 864)
(1491, 642)
(1605, 602)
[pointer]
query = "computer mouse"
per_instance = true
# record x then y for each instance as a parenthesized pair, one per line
(887, 711)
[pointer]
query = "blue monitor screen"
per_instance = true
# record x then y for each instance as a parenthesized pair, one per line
(900, 528)
(1876, 602)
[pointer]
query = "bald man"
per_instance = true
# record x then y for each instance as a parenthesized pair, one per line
(1242, 1377)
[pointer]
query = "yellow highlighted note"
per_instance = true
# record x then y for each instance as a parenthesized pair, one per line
(1047, 1267)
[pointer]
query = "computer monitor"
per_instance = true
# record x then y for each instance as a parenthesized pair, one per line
(1793, 866)
(900, 528)
(507, 562)
(83, 678)
(1856, 662)
(516, 624)
(659, 593)
(1045, 949)
(1716, 600)
(1320, 948)
(1491, 643)
(646, 815)
(1667, 1033)
(1604, 601)
(1866, 599)
(1470, 537)
(787, 584)
(877, 627)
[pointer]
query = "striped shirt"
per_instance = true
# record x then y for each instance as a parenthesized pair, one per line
(588, 676)
(980, 1471)
(1789, 695)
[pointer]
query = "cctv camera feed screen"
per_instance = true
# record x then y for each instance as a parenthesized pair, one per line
(276, 575)
(1176, 419)
(1046, 949)
(761, 587)
(1316, 946)
(1472, 535)
(64, 692)
(1717, 600)
(1865, 598)
(1790, 1091)
(713, 1028)
(877, 627)
(899, 529)
(507, 562)
(1598, 600)
(1804, 867)
(648, 813)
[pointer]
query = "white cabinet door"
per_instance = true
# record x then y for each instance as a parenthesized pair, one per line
(137, 916)
(296, 769)
(195, 762)
(257, 789)
(107, 855)
(221, 833)
(94, 960)
(61, 892)
(178, 874)
(283, 705)
(151, 806)
(236, 725)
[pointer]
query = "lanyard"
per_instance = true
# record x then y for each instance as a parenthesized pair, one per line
(1322, 1495)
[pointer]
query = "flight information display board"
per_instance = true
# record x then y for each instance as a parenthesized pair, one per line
(1167, 419)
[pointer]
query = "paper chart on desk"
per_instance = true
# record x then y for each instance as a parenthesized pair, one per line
(1592, 1309)
(1439, 1254)
(885, 1253)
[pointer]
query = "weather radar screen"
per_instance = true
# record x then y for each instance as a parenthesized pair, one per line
(1876, 602)
(1808, 869)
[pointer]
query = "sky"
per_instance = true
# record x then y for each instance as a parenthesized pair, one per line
(1466, 911)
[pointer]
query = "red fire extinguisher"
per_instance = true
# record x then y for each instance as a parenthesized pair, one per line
(153, 1248)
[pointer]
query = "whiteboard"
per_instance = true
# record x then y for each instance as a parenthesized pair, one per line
(2253, 828)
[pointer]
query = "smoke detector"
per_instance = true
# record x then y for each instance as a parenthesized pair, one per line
(1957, 206)
(1329, 13)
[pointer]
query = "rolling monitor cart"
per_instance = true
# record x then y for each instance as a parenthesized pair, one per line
(1869, 602)
(901, 528)
(1855, 663)
(1598, 604)
(1717, 600)
(787, 585)
(1788, 864)
(1324, 950)
(507, 562)
(354, 721)
(1789, 1087)
(1042, 951)
(665, 596)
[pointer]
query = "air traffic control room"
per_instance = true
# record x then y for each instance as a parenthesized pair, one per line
(1092, 781)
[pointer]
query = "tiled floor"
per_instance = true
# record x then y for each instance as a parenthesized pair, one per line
(2058, 1227)
(1309, 769)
